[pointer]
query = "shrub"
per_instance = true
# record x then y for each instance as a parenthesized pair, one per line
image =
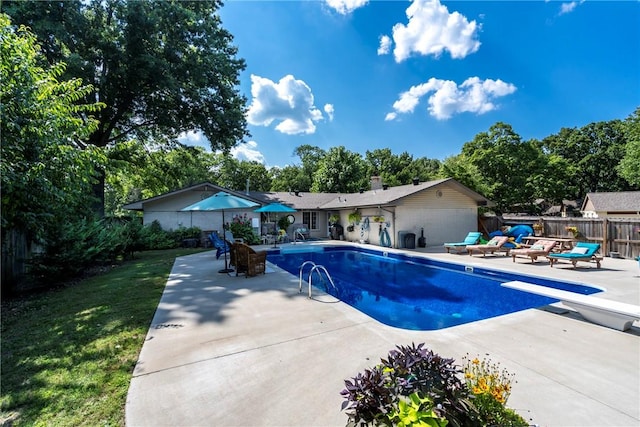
(416, 387)
(241, 227)
(373, 397)
(491, 387)
(153, 237)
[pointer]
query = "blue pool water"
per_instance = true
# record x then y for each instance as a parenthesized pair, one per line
(416, 293)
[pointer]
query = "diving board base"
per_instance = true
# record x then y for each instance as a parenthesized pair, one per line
(609, 313)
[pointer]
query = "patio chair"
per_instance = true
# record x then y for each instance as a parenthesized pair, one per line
(248, 261)
(472, 238)
(540, 248)
(583, 251)
(221, 246)
(496, 244)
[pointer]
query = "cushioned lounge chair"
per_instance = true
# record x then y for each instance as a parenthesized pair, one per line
(583, 251)
(248, 261)
(541, 248)
(471, 239)
(221, 246)
(496, 244)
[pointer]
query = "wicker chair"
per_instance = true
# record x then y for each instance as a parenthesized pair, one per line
(248, 261)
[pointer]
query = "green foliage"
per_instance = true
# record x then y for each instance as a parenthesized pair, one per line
(629, 167)
(340, 171)
(241, 227)
(371, 396)
(45, 174)
(415, 411)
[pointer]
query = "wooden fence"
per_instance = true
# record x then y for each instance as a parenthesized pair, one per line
(617, 236)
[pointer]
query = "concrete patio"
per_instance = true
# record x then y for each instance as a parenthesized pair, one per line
(235, 351)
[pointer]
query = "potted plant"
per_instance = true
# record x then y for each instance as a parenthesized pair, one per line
(334, 219)
(378, 218)
(538, 228)
(354, 217)
(573, 230)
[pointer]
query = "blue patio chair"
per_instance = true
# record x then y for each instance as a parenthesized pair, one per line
(582, 251)
(221, 246)
(472, 238)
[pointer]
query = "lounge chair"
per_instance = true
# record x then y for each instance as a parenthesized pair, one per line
(496, 244)
(581, 252)
(471, 239)
(221, 246)
(248, 261)
(540, 248)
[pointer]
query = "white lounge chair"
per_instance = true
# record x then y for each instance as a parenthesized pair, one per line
(613, 314)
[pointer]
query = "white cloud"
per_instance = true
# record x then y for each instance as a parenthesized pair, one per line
(345, 7)
(194, 138)
(447, 98)
(289, 101)
(248, 151)
(385, 45)
(328, 108)
(431, 30)
(569, 7)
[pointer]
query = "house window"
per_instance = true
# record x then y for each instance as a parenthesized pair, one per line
(311, 219)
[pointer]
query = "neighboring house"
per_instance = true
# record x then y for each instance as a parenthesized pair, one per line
(444, 210)
(568, 208)
(621, 204)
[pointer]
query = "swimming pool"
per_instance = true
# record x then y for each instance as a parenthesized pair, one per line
(413, 292)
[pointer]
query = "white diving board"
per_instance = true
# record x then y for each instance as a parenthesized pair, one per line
(613, 314)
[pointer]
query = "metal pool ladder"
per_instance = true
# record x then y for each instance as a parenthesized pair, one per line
(320, 268)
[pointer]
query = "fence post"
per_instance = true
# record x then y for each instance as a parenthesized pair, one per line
(605, 236)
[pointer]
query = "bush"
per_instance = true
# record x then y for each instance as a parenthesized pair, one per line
(153, 237)
(241, 227)
(416, 387)
(374, 396)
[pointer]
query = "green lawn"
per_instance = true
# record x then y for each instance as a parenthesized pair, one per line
(68, 354)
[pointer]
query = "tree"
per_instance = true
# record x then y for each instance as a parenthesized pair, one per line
(45, 176)
(460, 168)
(629, 167)
(340, 171)
(290, 178)
(160, 68)
(508, 166)
(595, 151)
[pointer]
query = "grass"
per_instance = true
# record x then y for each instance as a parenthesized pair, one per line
(68, 354)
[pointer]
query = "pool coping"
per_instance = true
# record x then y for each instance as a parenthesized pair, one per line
(226, 350)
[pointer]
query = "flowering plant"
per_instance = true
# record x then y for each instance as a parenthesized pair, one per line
(572, 229)
(486, 378)
(538, 226)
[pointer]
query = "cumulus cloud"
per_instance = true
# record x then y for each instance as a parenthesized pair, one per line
(446, 98)
(288, 102)
(569, 7)
(431, 30)
(385, 45)
(345, 7)
(248, 151)
(328, 108)
(194, 138)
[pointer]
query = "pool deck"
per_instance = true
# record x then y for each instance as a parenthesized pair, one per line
(235, 351)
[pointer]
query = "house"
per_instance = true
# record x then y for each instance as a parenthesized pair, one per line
(441, 210)
(621, 204)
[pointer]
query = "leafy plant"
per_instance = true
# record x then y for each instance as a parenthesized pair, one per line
(374, 395)
(491, 387)
(354, 217)
(334, 219)
(416, 411)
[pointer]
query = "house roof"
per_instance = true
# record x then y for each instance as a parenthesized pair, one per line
(204, 186)
(620, 201)
(298, 200)
(393, 195)
(328, 201)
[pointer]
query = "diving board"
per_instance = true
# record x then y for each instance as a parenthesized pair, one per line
(613, 314)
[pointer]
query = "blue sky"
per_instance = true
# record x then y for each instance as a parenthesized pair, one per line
(427, 76)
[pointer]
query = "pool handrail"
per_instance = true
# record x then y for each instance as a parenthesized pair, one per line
(322, 268)
(300, 274)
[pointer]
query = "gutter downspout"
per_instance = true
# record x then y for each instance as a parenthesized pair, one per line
(393, 225)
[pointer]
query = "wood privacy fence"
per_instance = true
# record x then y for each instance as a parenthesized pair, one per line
(617, 236)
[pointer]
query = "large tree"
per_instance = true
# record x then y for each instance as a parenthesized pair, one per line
(629, 167)
(160, 67)
(595, 150)
(507, 164)
(341, 171)
(45, 175)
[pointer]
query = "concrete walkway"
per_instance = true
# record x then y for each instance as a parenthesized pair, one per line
(235, 351)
